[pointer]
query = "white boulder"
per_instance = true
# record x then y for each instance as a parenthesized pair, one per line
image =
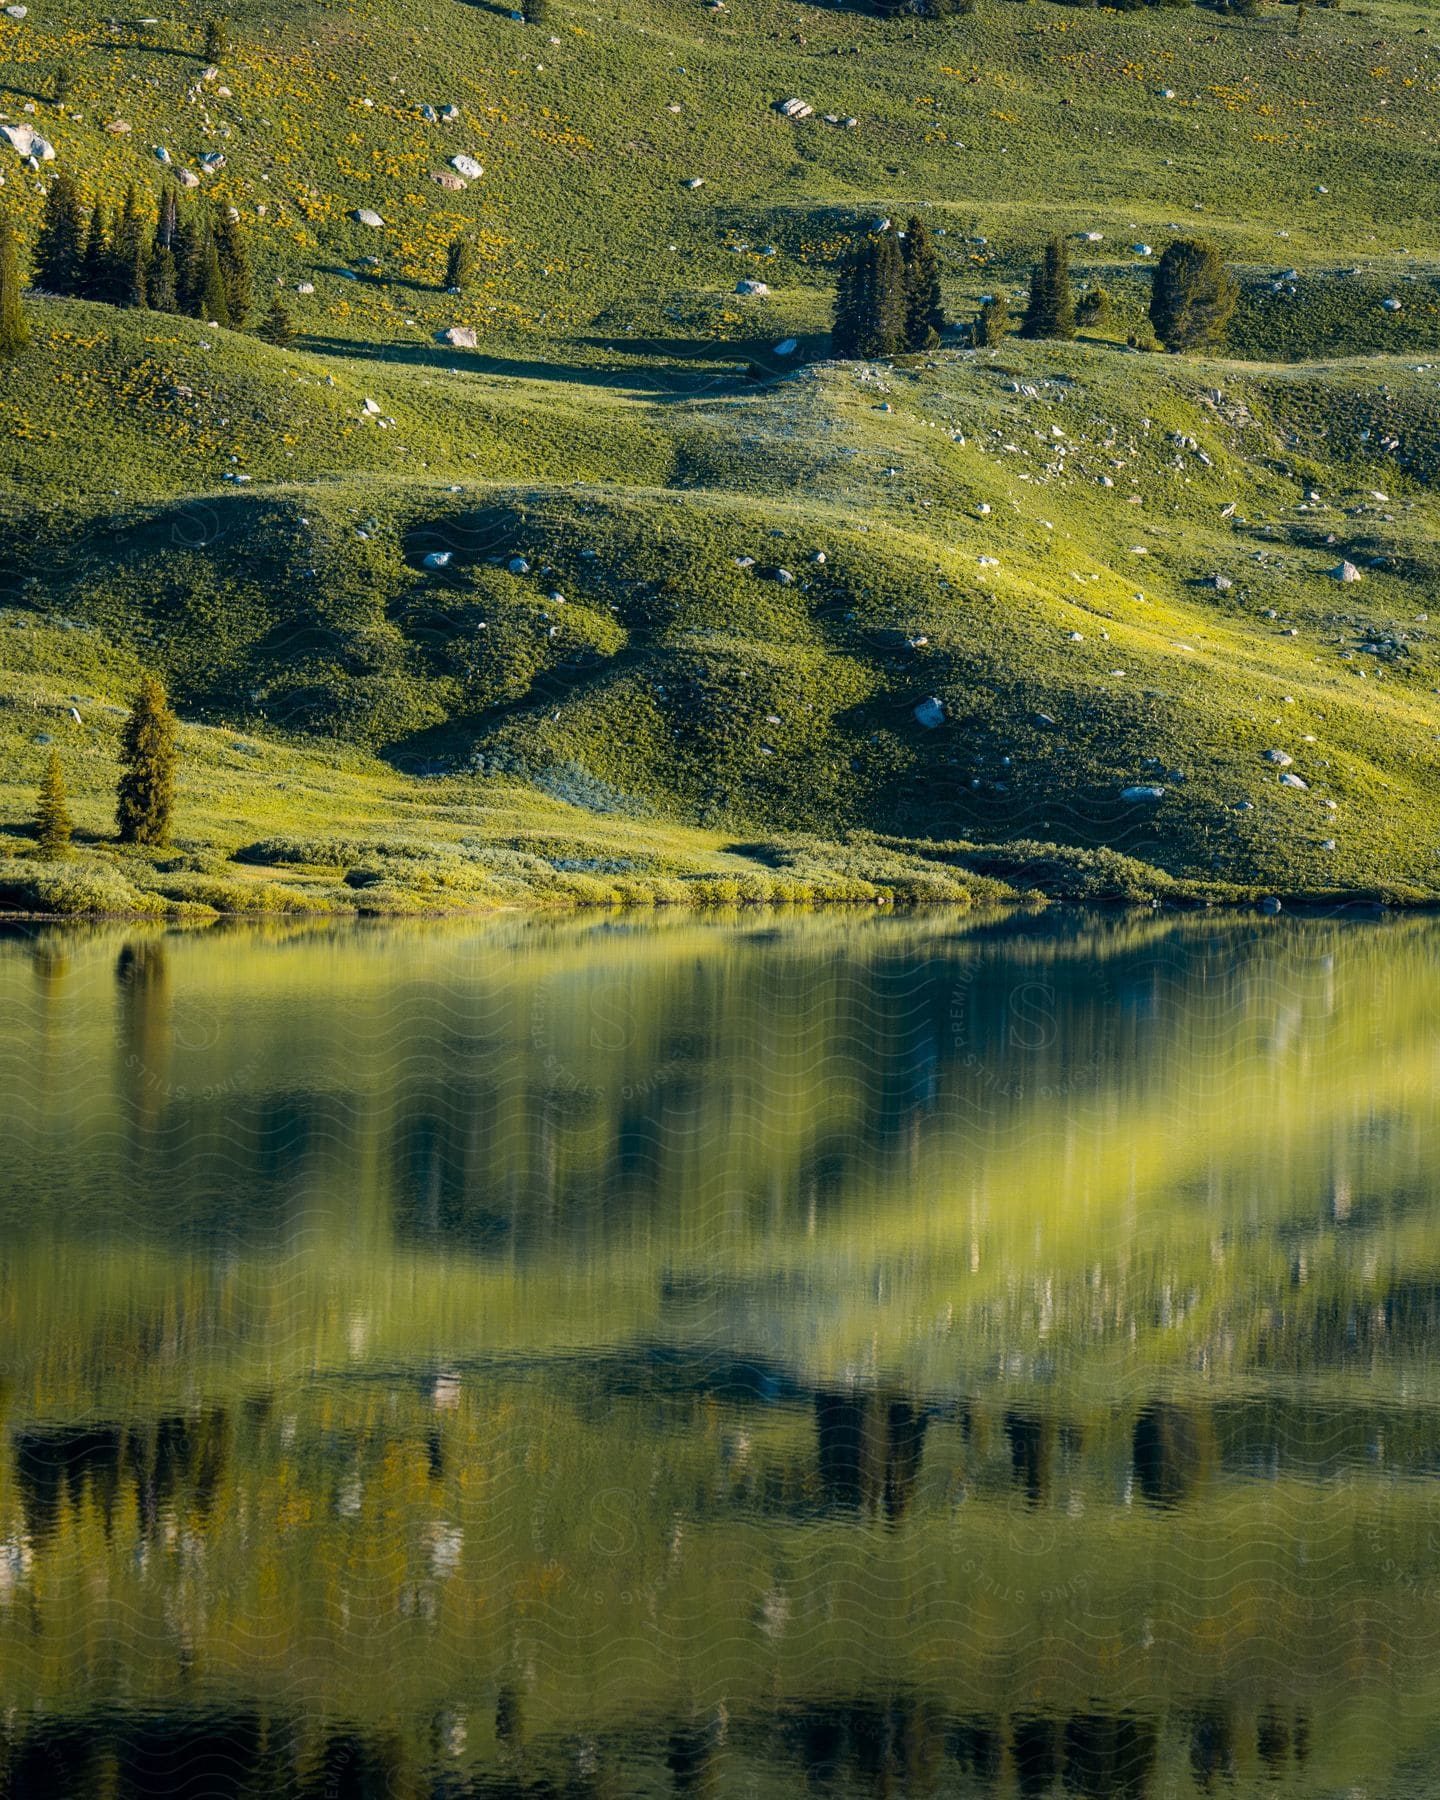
(364, 216)
(467, 166)
(931, 713)
(459, 337)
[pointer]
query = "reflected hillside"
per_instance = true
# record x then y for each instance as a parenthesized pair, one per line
(857, 1356)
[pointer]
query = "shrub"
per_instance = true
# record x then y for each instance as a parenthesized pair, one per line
(1193, 295)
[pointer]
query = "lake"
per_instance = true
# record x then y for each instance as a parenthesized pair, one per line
(755, 1356)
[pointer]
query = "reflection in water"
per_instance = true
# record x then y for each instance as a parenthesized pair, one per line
(859, 1357)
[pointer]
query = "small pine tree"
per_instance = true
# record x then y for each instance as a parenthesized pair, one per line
(146, 793)
(216, 41)
(924, 304)
(277, 327)
(209, 293)
(459, 264)
(14, 326)
(168, 222)
(537, 12)
(1193, 296)
(1051, 312)
(992, 325)
(160, 288)
(62, 83)
(881, 323)
(53, 826)
(60, 245)
(189, 247)
(233, 256)
(96, 270)
(131, 256)
(844, 330)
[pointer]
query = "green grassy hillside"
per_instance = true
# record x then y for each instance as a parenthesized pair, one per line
(1111, 569)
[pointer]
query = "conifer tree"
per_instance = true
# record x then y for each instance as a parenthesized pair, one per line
(14, 327)
(459, 264)
(60, 245)
(146, 793)
(160, 282)
(96, 271)
(216, 41)
(188, 248)
(130, 254)
(924, 304)
(53, 826)
(844, 331)
(209, 301)
(168, 222)
(277, 327)
(233, 257)
(1051, 312)
(1193, 295)
(992, 325)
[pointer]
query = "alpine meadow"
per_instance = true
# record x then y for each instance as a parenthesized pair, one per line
(677, 453)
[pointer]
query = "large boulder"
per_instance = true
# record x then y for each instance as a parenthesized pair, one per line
(467, 166)
(364, 216)
(459, 337)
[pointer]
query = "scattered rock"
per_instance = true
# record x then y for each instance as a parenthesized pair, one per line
(1279, 758)
(695, 181)
(364, 216)
(1293, 781)
(449, 180)
(1345, 571)
(467, 166)
(749, 287)
(459, 337)
(787, 348)
(438, 559)
(1142, 793)
(794, 109)
(517, 565)
(930, 713)
(118, 127)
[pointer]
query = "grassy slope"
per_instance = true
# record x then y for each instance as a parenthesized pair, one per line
(604, 433)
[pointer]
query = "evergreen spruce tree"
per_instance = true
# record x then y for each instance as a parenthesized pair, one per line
(459, 264)
(882, 317)
(14, 327)
(216, 42)
(188, 250)
(924, 304)
(209, 294)
(992, 324)
(233, 257)
(146, 793)
(52, 813)
(131, 256)
(60, 245)
(96, 271)
(62, 83)
(168, 222)
(844, 330)
(1193, 295)
(160, 284)
(277, 327)
(1051, 312)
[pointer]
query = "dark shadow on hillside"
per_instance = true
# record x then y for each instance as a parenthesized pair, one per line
(678, 384)
(376, 278)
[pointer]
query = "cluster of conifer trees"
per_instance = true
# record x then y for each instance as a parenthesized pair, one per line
(145, 793)
(888, 302)
(188, 261)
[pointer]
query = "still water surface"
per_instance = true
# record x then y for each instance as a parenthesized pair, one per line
(757, 1357)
